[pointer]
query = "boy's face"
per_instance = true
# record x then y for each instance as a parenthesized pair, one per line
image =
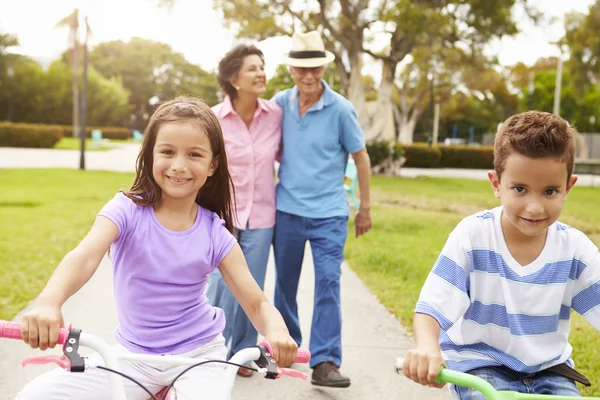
(532, 191)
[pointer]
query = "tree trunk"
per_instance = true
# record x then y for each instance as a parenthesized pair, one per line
(344, 77)
(408, 114)
(382, 114)
(84, 98)
(75, 85)
(356, 91)
(407, 127)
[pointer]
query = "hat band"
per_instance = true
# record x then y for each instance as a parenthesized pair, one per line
(307, 54)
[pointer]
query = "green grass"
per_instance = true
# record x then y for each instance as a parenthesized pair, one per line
(44, 213)
(68, 143)
(411, 221)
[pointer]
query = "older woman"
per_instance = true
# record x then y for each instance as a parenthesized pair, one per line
(252, 132)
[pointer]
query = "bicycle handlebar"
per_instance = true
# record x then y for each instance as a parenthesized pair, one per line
(73, 362)
(12, 330)
(471, 381)
(456, 378)
(302, 356)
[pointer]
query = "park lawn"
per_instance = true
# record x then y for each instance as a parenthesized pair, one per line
(411, 221)
(68, 143)
(44, 213)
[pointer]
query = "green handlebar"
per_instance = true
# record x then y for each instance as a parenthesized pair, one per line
(467, 380)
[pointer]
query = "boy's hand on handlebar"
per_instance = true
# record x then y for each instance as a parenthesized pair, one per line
(40, 326)
(422, 365)
(284, 348)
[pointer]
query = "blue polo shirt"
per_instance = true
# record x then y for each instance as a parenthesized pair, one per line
(314, 154)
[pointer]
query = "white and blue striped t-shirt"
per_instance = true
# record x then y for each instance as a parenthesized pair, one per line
(494, 311)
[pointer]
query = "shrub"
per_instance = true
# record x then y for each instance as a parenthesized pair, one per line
(481, 157)
(422, 156)
(29, 135)
(419, 155)
(379, 151)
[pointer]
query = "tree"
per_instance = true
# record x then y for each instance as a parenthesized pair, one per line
(7, 62)
(108, 101)
(434, 74)
(482, 105)
(148, 69)
(583, 38)
(45, 96)
(72, 22)
(28, 85)
(58, 97)
(6, 41)
(183, 78)
(345, 25)
(521, 76)
(580, 110)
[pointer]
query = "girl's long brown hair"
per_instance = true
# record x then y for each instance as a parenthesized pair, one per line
(216, 195)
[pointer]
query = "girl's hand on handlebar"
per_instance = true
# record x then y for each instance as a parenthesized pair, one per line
(41, 325)
(284, 348)
(422, 365)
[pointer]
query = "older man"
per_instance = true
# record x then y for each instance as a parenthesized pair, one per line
(320, 129)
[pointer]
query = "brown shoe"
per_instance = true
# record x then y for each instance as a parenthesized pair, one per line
(244, 372)
(328, 374)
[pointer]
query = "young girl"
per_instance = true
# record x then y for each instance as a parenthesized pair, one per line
(165, 236)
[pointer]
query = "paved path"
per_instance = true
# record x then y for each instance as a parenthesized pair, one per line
(121, 158)
(372, 339)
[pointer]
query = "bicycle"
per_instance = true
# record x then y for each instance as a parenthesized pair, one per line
(471, 381)
(72, 339)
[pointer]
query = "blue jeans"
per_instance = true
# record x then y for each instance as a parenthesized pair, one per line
(502, 378)
(239, 332)
(327, 237)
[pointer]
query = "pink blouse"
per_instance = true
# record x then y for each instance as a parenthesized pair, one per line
(251, 156)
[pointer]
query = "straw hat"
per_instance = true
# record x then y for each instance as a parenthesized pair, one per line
(308, 51)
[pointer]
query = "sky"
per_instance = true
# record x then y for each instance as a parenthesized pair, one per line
(193, 28)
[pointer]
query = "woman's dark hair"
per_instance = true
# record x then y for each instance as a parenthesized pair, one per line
(216, 195)
(231, 64)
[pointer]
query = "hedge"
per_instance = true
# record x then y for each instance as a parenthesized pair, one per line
(29, 135)
(420, 155)
(380, 150)
(479, 157)
(423, 156)
(22, 134)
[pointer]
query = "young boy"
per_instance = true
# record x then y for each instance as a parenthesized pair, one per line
(497, 301)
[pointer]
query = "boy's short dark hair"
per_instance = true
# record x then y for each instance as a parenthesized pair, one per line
(535, 134)
(231, 64)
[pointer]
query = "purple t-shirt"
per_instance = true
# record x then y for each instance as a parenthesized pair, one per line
(160, 278)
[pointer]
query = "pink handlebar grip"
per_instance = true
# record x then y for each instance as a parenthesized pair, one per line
(302, 356)
(12, 330)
